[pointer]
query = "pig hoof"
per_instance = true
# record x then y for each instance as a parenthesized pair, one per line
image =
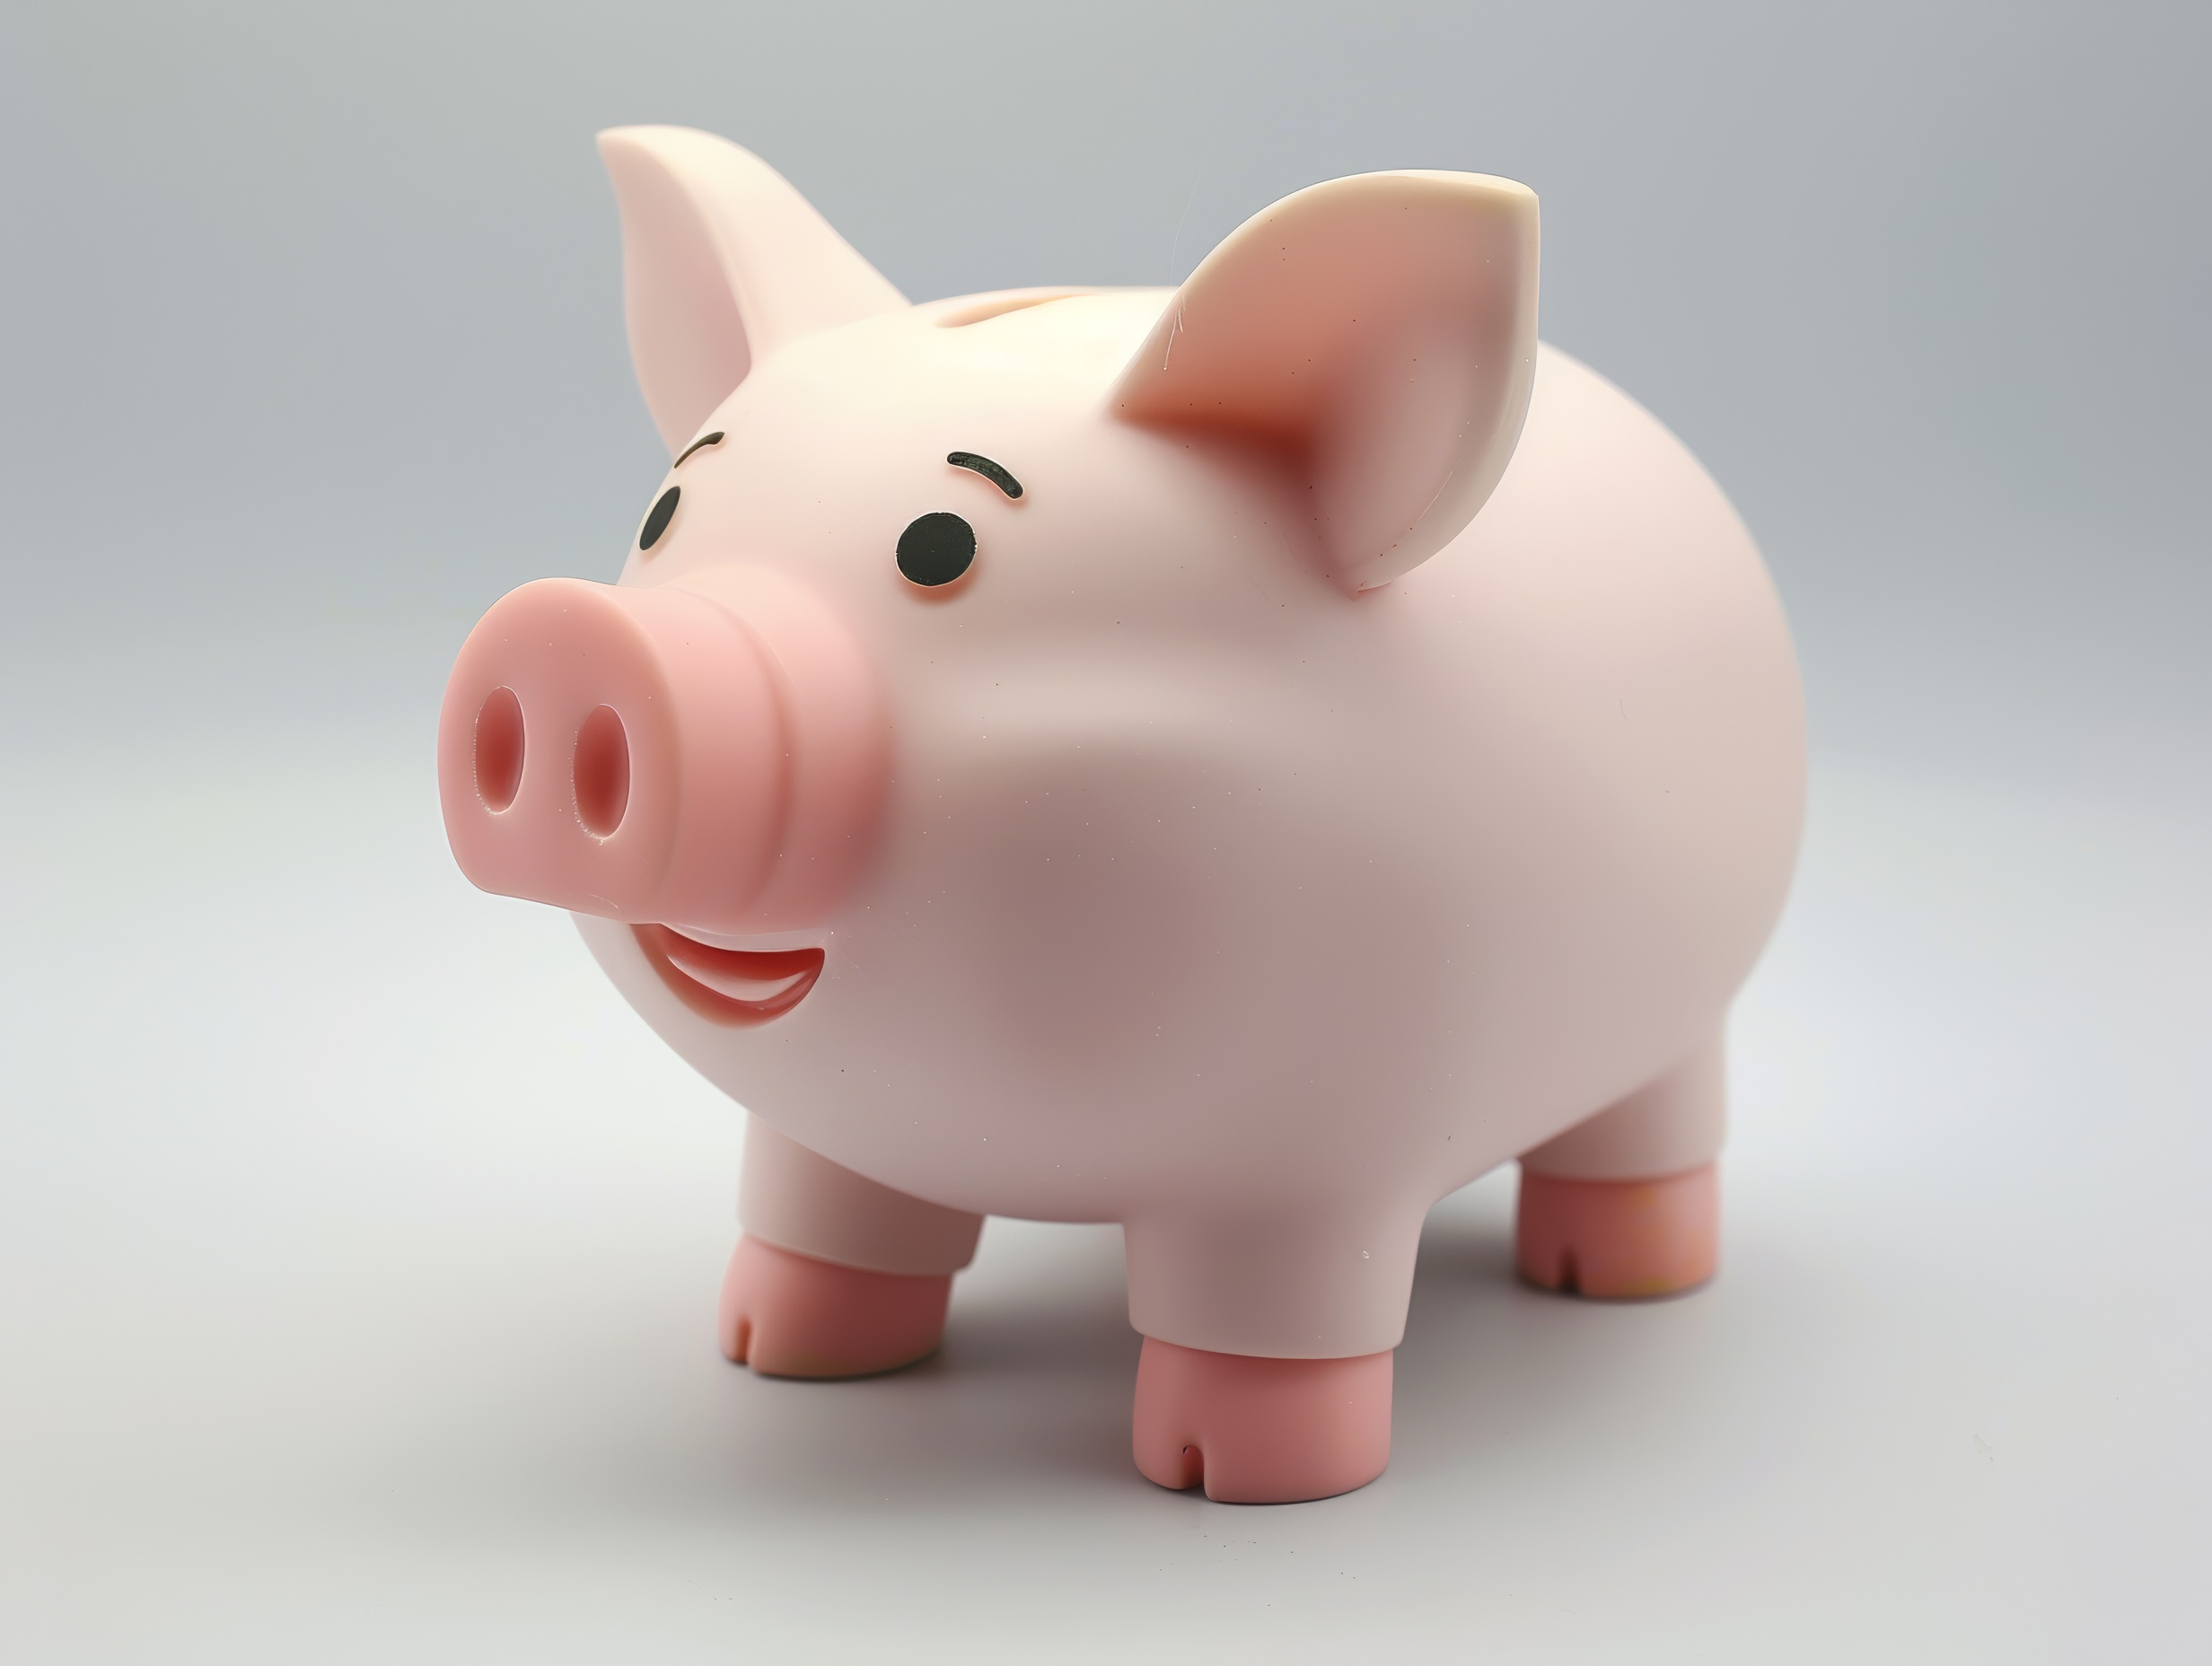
(789, 1315)
(1261, 1431)
(1619, 1240)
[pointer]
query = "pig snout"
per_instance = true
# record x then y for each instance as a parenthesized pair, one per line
(663, 755)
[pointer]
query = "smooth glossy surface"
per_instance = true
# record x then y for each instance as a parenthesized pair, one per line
(657, 518)
(790, 1315)
(1261, 1431)
(936, 549)
(1619, 1240)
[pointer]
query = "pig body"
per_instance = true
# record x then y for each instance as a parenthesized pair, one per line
(1193, 865)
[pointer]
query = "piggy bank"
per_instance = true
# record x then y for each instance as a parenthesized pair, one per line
(1238, 761)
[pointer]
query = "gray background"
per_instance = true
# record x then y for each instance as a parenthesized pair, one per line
(356, 1247)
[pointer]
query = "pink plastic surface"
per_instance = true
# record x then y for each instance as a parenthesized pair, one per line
(1261, 1431)
(707, 755)
(789, 1315)
(674, 813)
(803, 1201)
(1402, 394)
(1619, 1240)
(1364, 747)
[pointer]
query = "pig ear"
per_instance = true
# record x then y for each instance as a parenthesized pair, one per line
(722, 263)
(1381, 330)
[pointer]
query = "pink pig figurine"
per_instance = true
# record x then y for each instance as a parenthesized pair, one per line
(1239, 762)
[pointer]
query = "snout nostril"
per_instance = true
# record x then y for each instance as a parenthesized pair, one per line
(602, 772)
(499, 749)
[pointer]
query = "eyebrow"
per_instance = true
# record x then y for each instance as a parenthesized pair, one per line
(989, 469)
(715, 438)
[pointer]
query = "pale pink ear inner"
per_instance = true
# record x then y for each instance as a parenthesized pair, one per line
(1382, 329)
(723, 262)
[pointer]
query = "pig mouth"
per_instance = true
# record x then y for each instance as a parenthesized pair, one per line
(732, 986)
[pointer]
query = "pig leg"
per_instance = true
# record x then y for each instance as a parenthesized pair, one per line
(834, 1276)
(1627, 1203)
(1255, 1431)
(1280, 1388)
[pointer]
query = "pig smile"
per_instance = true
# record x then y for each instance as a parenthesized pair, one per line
(734, 986)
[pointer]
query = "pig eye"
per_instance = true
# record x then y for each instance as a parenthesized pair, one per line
(658, 517)
(937, 549)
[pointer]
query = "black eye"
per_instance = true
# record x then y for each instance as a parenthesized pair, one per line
(935, 549)
(658, 517)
